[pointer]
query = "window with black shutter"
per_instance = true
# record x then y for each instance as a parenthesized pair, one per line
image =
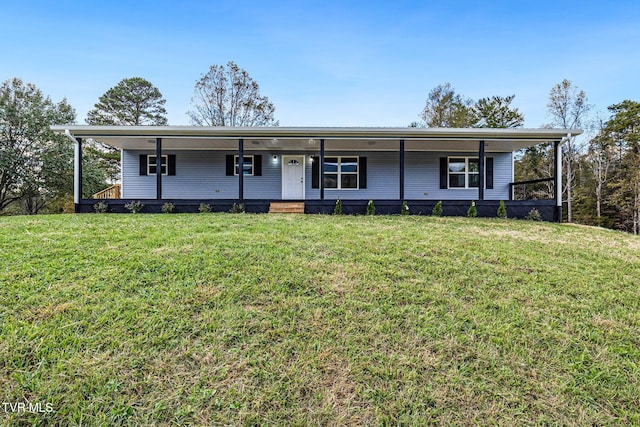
(463, 172)
(344, 172)
(252, 165)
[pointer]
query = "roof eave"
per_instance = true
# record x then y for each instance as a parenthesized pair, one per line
(87, 131)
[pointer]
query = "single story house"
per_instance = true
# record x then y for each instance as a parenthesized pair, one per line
(313, 167)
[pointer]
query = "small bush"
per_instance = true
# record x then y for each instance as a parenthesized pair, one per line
(101, 207)
(168, 208)
(404, 210)
(437, 209)
(534, 215)
(134, 207)
(472, 212)
(337, 209)
(502, 210)
(371, 208)
(204, 208)
(237, 208)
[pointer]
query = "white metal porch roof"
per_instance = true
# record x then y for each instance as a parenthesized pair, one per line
(307, 138)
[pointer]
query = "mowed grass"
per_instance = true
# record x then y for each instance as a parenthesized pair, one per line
(220, 319)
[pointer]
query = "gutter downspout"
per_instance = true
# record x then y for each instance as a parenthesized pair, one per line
(77, 169)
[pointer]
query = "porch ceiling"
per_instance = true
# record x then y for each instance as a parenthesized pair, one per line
(307, 139)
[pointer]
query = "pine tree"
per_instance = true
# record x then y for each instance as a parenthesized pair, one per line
(472, 212)
(502, 210)
(132, 102)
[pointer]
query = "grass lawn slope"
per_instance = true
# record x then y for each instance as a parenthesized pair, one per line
(220, 319)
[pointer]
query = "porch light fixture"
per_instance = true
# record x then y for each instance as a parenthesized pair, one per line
(275, 157)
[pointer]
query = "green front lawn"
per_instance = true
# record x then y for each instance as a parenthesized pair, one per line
(312, 320)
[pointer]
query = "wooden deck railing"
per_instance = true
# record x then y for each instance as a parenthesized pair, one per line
(112, 192)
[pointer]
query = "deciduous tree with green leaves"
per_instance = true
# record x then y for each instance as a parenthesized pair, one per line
(447, 109)
(228, 96)
(35, 163)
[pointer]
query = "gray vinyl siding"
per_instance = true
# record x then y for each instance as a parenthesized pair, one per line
(135, 186)
(195, 172)
(383, 174)
(502, 176)
(422, 177)
(267, 186)
(199, 175)
(202, 175)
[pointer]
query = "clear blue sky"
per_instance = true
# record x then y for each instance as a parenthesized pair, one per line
(329, 63)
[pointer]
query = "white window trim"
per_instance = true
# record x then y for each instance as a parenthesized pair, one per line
(236, 164)
(466, 172)
(166, 164)
(339, 173)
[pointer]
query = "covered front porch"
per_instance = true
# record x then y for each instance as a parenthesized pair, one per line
(355, 165)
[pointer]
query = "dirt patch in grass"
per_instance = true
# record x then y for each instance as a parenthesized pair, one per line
(50, 310)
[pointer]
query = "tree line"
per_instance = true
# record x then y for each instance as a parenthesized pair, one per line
(36, 165)
(601, 172)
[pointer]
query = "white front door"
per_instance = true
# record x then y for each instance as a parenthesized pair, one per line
(293, 177)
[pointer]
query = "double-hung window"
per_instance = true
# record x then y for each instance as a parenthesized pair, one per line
(152, 165)
(341, 172)
(247, 167)
(464, 172)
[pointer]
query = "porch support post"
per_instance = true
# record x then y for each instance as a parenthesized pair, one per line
(557, 178)
(159, 168)
(77, 175)
(241, 169)
(321, 169)
(401, 169)
(481, 171)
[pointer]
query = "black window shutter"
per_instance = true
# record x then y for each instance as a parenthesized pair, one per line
(143, 164)
(257, 165)
(444, 169)
(230, 165)
(315, 172)
(171, 164)
(489, 173)
(362, 171)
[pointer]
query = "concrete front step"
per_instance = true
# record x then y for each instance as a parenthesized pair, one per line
(286, 207)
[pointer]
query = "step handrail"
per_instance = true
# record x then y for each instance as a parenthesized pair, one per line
(112, 192)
